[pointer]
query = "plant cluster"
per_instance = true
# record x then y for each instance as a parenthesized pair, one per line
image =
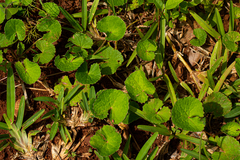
(92, 53)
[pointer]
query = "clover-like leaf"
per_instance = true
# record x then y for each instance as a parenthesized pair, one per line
(29, 72)
(88, 77)
(218, 104)
(113, 26)
(113, 60)
(231, 128)
(48, 51)
(81, 40)
(230, 147)
(51, 8)
(146, 49)
(152, 113)
(138, 86)
(106, 140)
(68, 86)
(51, 26)
(4, 42)
(170, 4)
(113, 99)
(13, 28)
(201, 36)
(230, 39)
(68, 63)
(186, 114)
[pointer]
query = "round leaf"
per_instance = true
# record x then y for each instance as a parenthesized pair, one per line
(201, 36)
(81, 40)
(29, 72)
(152, 113)
(231, 128)
(106, 140)
(218, 104)
(138, 86)
(186, 114)
(48, 52)
(146, 49)
(4, 42)
(15, 27)
(2, 13)
(113, 60)
(51, 8)
(68, 63)
(172, 4)
(112, 99)
(229, 40)
(113, 26)
(91, 77)
(51, 26)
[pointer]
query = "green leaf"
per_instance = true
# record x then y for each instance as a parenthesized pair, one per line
(51, 26)
(172, 4)
(152, 113)
(237, 66)
(29, 72)
(236, 12)
(53, 130)
(88, 77)
(10, 94)
(117, 2)
(138, 86)
(144, 150)
(186, 114)
(113, 60)
(131, 116)
(13, 28)
(51, 9)
(26, 2)
(93, 10)
(48, 51)
(201, 36)
(4, 42)
(68, 63)
(230, 39)
(81, 40)
(113, 26)
(2, 13)
(218, 104)
(20, 115)
(68, 86)
(146, 49)
(20, 48)
(194, 154)
(160, 129)
(113, 99)
(233, 113)
(106, 140)
(230, 147)
(231, 128)
(32, 119)
(10, 12)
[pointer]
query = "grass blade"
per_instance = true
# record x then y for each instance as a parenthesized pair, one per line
(71, 20)
(223, 77)
(219, 23)
(134, 54)
(215, 65)
(231, 19)
(3, 126)
(210, 79)
(71, 93)
(4, 136)
(53, 130)
(10, 94)
(20, 113)
(67, 133)
(205, 26)
(3, 145)
(161, 54)
(161, 130)
(144, 150)
(187, 88)
(153, 153)
(48, 114)
(116, 156)
(216, 53)
(139, 33)
(173, 72)
(93, 10)
(61, 130)
(84, 14)
(127, 145)
(32, 119)
(150, 31)
(203, 91)
(125, 157)
(194, 154)
(46, 99)
(170, 89)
